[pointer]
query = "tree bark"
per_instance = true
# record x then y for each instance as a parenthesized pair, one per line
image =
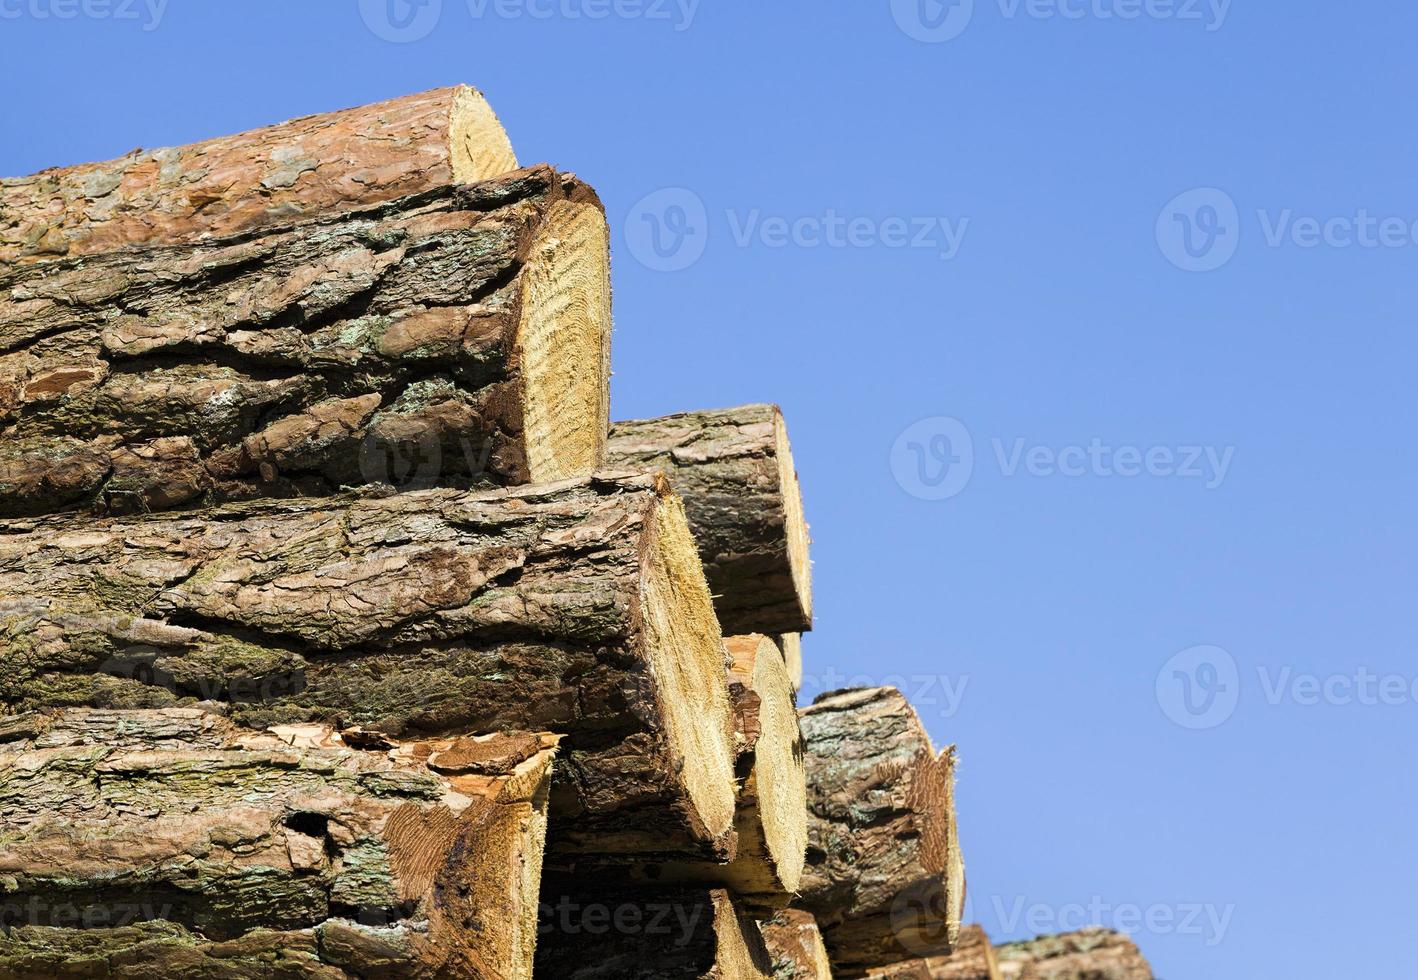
(670, 934)
(453, 338)
(1089, 954)
(770, 817)
(577, 608)
(973, 959)
(425, 854)
(795, 946)
(734, 468)
(884, 876)
(236, 184)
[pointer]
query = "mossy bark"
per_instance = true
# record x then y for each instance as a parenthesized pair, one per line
(884, 877)
(375, 345)
(413, 614)
(144, 836)
(1088, 954)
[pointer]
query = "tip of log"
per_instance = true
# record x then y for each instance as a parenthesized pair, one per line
(795, 945)
(772, 822)
(563, 341)
(792, 646)
(742, 954)
(799, 541)
(686, 655)
(479, 146)
(972, 959)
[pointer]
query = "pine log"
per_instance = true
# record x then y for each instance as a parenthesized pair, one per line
(578, 608)
(884, 876)
(734, 468)
(454, 338)
(425, 856)
(795, 946)
(770, 817)
(973, 959)
(670, 934)
(235, 184)
(1089, 954)
(792, 646)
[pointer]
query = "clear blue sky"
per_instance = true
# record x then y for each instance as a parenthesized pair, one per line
(1243, 825)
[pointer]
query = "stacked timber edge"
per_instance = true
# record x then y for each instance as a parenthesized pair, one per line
(172, 843)
(770, 814)
(578, 608)
(666, 934)
(973, 959)
(453, 337)
(884, 877)
(234, 184)
(734, 468)
(1088, 954)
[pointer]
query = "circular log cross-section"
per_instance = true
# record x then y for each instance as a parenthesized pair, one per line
(456, 338)
(564, 344)
(235, 184)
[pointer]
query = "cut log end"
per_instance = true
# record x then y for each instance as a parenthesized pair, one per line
(772, 819)
(795, 945)
(792, 646)
(478, 145)
(796, 528)
(564, 344)
(741, 952)
(686, 657)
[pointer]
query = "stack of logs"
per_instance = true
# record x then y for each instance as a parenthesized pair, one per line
(347, 637)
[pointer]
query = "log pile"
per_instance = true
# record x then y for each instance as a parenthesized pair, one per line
(347, 637)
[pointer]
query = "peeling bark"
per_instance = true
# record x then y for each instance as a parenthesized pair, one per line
(414, 343)
(668, 934)
(235, 184)
(1089, 954)
(884, 876)
(734, 469)
(973, 959)
(171, 838)
(577, 608)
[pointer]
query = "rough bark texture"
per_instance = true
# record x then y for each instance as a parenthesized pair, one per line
(770, 815)
(235, 184)
(555, 608)
(684, 934)
(411, 343)
(1089, 954)
(795, 946)
(973, 959)
(422, 860)
(735, 471)
(884, 876)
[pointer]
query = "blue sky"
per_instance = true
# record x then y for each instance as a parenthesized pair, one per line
(1093, 324)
